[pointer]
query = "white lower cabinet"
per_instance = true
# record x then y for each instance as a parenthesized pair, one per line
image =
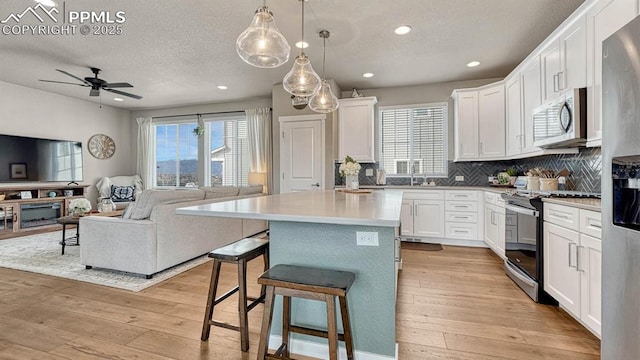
(451, 216)
(422, 214)
(573, 262)
(494, 223)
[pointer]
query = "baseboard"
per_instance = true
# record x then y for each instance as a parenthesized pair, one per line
(321, 351)
(447, 241)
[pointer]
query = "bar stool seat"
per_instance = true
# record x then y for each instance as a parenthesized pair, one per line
(239, 252)
(309, 283)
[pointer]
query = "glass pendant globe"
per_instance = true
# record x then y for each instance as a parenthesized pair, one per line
(301, 80)
(261, 44)
(324, 101)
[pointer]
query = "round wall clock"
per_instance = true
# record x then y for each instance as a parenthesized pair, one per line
(101, 146)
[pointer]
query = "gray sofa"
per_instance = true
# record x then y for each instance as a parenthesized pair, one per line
(151, 237)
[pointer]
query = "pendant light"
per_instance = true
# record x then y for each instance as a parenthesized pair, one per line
(301, 80)
(261, 44)
(324, 101)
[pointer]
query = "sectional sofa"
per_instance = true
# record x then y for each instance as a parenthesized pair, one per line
(151, 237)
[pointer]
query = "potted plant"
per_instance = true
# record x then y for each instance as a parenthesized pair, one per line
(513, 175)
(350, 169)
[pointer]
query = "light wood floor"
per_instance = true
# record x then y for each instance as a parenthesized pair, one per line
(453, 304)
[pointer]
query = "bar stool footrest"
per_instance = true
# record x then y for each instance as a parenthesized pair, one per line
(224, 325)
(226, 295)
(313, 332)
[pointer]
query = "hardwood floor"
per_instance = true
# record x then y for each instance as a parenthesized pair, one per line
(452, 304)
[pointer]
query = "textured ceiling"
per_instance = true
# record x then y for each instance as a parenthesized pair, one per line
(176, 52)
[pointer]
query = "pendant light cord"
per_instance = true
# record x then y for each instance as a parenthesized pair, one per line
(302, 43)
(324, 52)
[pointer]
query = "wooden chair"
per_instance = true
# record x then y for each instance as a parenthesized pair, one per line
(239, 252)
(309, 283)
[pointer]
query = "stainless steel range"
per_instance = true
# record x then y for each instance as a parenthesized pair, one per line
(523, 239)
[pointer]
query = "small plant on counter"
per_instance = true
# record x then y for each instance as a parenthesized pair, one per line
(512, 171)
(349, 167)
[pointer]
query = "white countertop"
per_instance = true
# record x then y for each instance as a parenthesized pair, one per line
(379, 208)
(587, 204)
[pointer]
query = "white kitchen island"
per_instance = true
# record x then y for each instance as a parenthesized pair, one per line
(318, 229)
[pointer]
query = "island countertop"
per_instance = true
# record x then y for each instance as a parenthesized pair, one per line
(378, 208)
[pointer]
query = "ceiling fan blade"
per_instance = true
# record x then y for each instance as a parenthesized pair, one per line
(94, 92)
(62, 82)
(117, 85)
(124, 93)
(75, 77)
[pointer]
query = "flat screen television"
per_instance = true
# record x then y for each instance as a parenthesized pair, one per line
(27, 159)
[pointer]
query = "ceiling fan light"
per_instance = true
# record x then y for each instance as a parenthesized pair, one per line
(301, 80)
(324, 101)
(261, 44)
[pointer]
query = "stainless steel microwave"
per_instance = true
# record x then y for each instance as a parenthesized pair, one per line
(561, 122)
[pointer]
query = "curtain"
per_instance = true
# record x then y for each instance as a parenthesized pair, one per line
(259, 136)
(144, 158)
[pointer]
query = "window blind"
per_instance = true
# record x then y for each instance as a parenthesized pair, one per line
(415, 135)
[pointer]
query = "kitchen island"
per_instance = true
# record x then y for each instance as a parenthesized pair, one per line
(319, 229)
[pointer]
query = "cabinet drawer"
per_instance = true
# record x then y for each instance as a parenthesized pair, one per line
(591, 223)
(491, 198)
(566, 216)
(511, 219)
(423, 195)
(461, 217)
(461, 206)
(461, 231)
(468, 195)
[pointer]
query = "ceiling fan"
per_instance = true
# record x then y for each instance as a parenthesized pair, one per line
(96, 84)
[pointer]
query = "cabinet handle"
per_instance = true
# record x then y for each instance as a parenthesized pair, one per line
(555, 83)
(561, 80)
(492, 215)
(411, 210)
(576, 266)
(578, 252)
(558, 215)
(416, 210)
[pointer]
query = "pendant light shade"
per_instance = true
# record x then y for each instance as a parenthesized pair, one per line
(301, 80)
(324, 101)
(261, 44)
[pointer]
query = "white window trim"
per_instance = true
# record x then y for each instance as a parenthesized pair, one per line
(445, 130)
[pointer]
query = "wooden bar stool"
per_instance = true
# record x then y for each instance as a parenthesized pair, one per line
(308, 283)
(239, 252)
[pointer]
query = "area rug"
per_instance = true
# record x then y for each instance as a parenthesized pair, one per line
(41, 254)
(420, 246)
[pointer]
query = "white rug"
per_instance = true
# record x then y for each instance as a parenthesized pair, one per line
(41, 254)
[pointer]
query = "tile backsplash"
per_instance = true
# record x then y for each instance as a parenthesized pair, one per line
(586, 168)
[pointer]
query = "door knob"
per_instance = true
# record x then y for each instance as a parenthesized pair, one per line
(316, 184)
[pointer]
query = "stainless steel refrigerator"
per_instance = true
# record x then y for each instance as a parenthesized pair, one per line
(621, 194)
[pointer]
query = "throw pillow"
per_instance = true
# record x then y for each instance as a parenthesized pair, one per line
(122, 193)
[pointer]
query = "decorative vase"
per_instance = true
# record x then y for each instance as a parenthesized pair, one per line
(351, 182)
(106, 205)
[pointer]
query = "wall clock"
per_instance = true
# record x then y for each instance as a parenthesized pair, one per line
(101, 146)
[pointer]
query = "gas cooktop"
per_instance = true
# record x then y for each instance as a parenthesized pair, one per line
(554, 193)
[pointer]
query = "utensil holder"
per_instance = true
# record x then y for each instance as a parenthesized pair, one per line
(533, 182)
(549, 184)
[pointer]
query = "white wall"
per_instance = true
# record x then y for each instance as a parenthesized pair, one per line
(35, 113)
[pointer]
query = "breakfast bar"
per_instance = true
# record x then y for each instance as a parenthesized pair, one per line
(334, 230)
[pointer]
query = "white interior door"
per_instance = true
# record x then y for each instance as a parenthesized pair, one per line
(301, 154)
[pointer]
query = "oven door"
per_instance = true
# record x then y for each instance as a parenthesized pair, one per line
(521, 237)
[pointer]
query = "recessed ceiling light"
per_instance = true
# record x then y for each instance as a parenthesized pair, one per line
(118, 99)
(473, 64)
(302, 44)
(49, 3)
(222, 87)
(367, 75)
(402, 29)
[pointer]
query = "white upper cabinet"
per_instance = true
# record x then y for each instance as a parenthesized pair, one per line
(356, 118)
(466, 125)
(564, 61)
(514, 116)
(491, 121)
(603, 19)
(531, 98)
(479, 122)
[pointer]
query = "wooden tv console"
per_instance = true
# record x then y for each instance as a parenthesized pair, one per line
(19, 198)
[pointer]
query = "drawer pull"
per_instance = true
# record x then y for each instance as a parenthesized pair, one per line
(596, 226)
(561, 216)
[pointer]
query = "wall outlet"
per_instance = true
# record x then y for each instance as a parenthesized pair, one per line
(459, 178)
(366, 238)
(368, 172)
